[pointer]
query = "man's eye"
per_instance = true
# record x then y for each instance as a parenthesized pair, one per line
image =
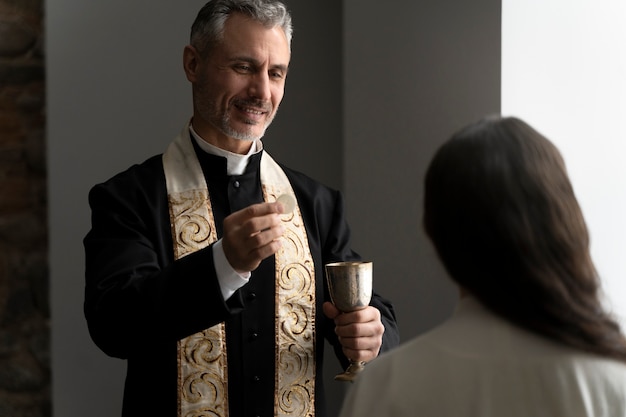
(277, 75)
(243, 68)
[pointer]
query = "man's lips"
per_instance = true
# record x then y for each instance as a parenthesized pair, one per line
(252, 112)
(254, 107)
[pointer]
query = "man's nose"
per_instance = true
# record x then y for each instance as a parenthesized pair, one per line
(260, 86)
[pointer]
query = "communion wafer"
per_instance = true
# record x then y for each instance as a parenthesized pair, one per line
(288, 202)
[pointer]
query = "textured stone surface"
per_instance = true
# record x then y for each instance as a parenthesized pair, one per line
(16, 38)
(24, 306)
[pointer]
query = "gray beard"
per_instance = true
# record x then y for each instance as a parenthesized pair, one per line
(226, 129)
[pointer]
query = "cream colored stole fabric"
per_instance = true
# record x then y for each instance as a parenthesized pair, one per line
(202, 361)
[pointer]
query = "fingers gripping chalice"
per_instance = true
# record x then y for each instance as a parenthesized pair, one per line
(350, 286)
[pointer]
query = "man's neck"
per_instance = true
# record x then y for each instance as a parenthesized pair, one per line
(236, 162)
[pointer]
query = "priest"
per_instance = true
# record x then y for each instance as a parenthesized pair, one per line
(205, 265)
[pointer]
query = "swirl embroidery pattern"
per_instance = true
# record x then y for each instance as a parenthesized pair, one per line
(192, 228)
(202, 382)
(295, 325)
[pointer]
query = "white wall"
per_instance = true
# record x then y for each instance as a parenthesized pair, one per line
(564, 72)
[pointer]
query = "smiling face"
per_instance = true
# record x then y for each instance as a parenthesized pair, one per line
(239, 85)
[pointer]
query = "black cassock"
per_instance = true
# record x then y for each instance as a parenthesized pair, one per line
(139, 302)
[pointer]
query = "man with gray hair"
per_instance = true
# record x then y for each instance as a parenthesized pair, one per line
(205, 265)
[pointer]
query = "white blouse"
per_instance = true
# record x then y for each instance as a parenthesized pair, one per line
(479, 365)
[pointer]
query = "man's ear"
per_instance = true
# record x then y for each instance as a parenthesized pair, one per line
(191, 61)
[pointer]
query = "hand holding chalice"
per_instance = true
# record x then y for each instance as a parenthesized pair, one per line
(350, 286)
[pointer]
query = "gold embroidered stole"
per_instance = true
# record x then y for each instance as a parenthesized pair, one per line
(202, 361)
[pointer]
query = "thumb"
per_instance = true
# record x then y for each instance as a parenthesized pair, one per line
(330, 310)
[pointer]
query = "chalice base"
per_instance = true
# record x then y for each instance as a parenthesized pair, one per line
(350, 374)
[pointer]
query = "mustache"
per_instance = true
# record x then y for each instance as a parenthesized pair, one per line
(252, 103)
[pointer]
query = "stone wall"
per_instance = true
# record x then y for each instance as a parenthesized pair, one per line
(24, 306)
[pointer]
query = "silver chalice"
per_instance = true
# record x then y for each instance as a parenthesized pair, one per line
(350, 286)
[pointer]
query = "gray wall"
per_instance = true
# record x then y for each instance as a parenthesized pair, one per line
(367, 102)
(410, 81)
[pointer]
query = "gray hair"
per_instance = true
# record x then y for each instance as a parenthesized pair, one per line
(209, 24)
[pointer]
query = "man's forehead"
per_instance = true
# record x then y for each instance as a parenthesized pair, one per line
(249, 39)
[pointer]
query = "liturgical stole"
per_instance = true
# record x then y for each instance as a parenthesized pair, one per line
(202, 358)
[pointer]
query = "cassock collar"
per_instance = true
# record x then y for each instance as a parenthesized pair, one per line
(235, 163)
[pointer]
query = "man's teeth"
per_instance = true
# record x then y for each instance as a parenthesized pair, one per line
(253, 111)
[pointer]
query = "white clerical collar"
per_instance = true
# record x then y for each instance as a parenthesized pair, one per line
(235, 163)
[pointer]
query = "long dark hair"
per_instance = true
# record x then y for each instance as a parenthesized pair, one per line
(501, 212)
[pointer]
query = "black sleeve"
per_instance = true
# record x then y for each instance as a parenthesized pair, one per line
(134, 290)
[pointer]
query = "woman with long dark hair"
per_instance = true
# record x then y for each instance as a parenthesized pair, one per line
(531, 335)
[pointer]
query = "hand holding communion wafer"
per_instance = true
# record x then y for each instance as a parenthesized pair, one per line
(251, 235)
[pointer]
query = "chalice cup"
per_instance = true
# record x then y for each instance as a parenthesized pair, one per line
(350, 286)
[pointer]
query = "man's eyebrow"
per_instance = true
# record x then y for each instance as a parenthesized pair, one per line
(257, 63)
(283, 68)
(244, 59)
